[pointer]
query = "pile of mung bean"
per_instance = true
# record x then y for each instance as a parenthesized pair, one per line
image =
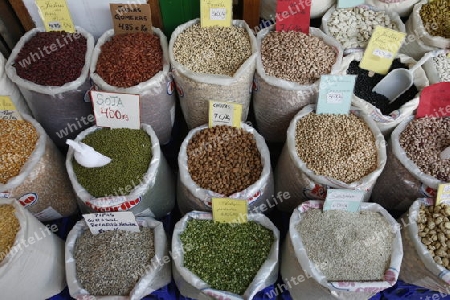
(295, 56)
(435, 16)
(9, 226)
(347, 246)
(442, 64)
(338, 146)
(226, 256)
(224, 159)
(423, 140)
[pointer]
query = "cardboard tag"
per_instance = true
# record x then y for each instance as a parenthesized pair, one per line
(341, 199)
(55, 15)
(382, 49)
(8, 110)
(116, 110)
(216, 13)
(335, 94)
(224, 113)
(349, 3)
(129, 18)
(101, 222)
(443, 194)
(293, 15)
(228, 210)
(434, 101)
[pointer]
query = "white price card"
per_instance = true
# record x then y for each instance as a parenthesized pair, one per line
(335, 94)
(443, 194)
(225, 113)
(341, 199)
(101, 222)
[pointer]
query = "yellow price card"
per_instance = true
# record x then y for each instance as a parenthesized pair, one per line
(8, 110)
(228, 210)
(224, 113)
(55, 15)
(443, 194)
(216, 13)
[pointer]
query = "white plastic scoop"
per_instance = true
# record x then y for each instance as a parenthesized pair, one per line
(86, 156)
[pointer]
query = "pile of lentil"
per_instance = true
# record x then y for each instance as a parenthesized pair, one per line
(110, 262)
(226, 256)
(435, 16)
(130, 153)
(347, 246)
(9, 226)
(423, 140)
(224, 159)
(338, 146)
(17, 141)
(129, 59)
(212, 50)
(295, 56)
(365, 83)
(442, 64)
(52, 58)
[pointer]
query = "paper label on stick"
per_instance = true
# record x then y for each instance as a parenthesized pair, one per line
(335, 94)
(229, 210)
(225, 113)
(340, 199)
(128, 18)
(101, 222)
(216, 13)
(55, 15)
(293, 15)
(8, 110)
(434, 101)
(349, 3)
(443, 194)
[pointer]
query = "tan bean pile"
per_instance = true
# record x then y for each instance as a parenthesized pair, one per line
(295, 56)
(435, 16)
(9, 226)
(338, 146)
(224, 159)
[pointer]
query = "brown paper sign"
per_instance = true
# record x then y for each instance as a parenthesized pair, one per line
(128, 18)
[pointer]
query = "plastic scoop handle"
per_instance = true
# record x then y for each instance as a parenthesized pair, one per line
(445, 154)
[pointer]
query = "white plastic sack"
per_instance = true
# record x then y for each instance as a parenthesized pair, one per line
(190, 285)
(318, 8)
(293, 176)
(34, 267)
(296, 264)
(431, 71)
(156, 276)
(154, 196)
(157, 97)
(413, 45)
(8, 88)
(275, 100)
(192, 197)
(196, 89)
(402, 7)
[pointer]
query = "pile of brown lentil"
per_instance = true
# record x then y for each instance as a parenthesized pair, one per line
(423, 140)
(17, 142)
(9, 226)
(224, 159)
(435, 16)
(129, 59)
(338, 146)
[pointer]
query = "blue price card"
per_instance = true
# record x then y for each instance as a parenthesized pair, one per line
(341, 199)
(335, 94)
(349, 3)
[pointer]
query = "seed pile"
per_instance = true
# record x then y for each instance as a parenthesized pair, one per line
(224, 159)
(130, 153)
(212, 50)
(435, 16)
(423, 140)
(17, 142)
(9, 226)
(112, 262)
(347, 246)
(129, 59)
(225, 256)
(295, 56)
(364, 85)
(338, 146)
(442, 64)
(52, 58)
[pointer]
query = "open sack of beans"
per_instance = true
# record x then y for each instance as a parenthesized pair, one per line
(138, 178)
(402, 7)
(31, 255)
(288, 69)
(414, 168)
(32, 170)
(138, 63)
(437, 67)
(339, 254)
(318, 8)
(52, 71)
(329, 151)
(224, 161)
(212, 63)
(213, 260)
(117, 264)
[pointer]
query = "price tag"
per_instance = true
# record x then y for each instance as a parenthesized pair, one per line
(131, 18)
(349, 3)
(382, 49)
(101, 222)
(335, 94)
(225, 113)
(443, 194)
(8, 110)
(434, 101)
(55, 15)
(228, 210)
(340, 199)
(216, 13)
(293, 15)
(116, 110)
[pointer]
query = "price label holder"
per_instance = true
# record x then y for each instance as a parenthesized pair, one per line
(340, 199)
(129, 18)
(101, 222)
(216, 13)
(8, 110)
(293, 15)
(335, 94)
(116, 110)
(349, 3)
(55, 15)
(228, 210)
(381, 50)
(443, 194)
(224, 113)
(434, 101)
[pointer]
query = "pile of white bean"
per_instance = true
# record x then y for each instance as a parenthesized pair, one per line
(442, 63)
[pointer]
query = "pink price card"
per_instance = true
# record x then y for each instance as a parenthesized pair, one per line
(434, 101)
(293, 15)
